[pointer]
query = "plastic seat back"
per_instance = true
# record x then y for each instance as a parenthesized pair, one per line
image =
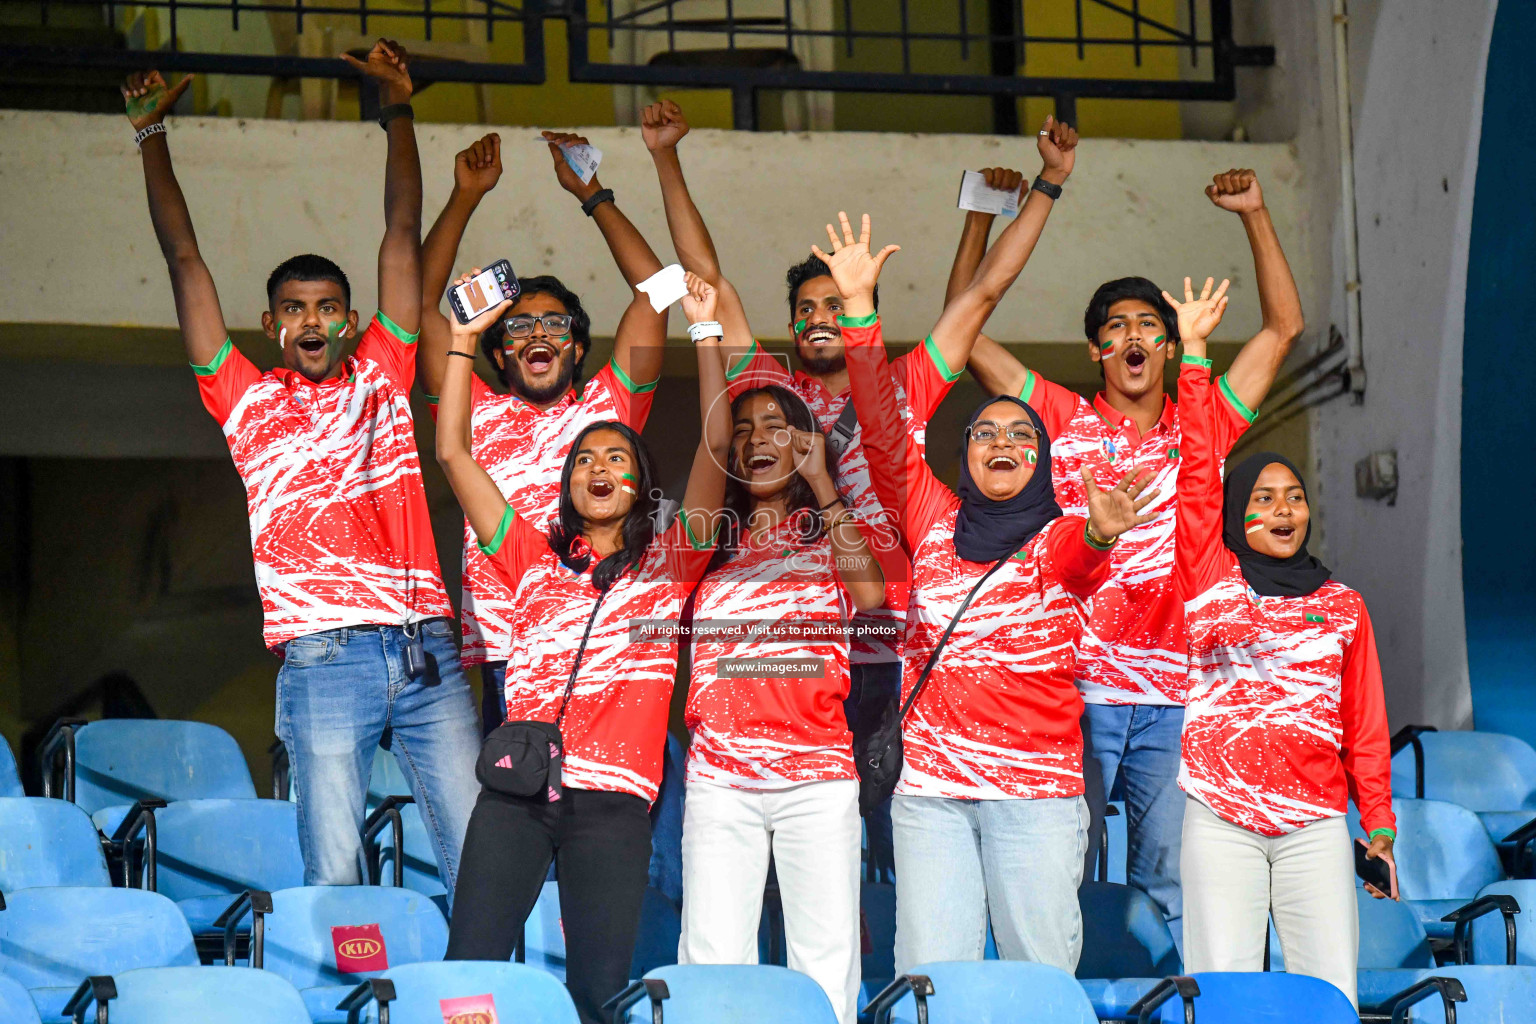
(474, 990)
(52, 939)
(122, 760)
(1489, 940)
(1124, 934)
(998, 992)
(1482, 771)
(16, 1006)
(1443, 851)
(10, 779)
(419, 872)
(216, 847)
(1390, 935)
(736, 994)
(1258, 998)
(544, 934)
(47, 842)
(228, 995)
(1117, 843)
(1495, 995)
(661, 927)
(341, 934)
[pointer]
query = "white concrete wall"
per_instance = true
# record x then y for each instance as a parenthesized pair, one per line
(1417, 79)
(78, 246)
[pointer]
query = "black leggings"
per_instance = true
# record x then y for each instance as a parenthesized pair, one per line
(601, 843)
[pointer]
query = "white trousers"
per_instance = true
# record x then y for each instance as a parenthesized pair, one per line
(1233, 879)
(812, 830)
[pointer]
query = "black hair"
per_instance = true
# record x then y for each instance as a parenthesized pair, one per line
(811, 266)
(1120, 289)
(494, 336)
(639, 525)
(800, 501)
(307, 267)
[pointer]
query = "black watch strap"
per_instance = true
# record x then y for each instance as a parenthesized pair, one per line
(596, 199)
(1046, 188)
(394, 110)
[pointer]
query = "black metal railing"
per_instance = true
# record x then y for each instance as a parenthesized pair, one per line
(746, 46)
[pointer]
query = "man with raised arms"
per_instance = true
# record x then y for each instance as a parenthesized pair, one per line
(521, 436)
(922, 377)
(1131, 663)
(350, 589)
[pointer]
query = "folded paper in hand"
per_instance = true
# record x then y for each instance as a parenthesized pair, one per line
(665, 286)
(976, 195)
(582, 158)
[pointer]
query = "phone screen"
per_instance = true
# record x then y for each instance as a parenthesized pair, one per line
(481, 293)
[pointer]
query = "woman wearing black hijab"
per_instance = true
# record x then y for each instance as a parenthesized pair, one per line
(1285, 721)
(988, 815)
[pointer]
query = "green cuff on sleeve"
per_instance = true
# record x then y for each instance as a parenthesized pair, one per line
(630, 385)
(1390, 833)
(1029, 386)
(395, 329)
(218, 360)
(1236, 403)
(1088, 539)
(950, 376)
(431, 399)
(1190, 360)
(501, 534)
(859, 321)
(741, 364)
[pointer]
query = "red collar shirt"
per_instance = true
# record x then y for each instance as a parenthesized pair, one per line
(340, 534)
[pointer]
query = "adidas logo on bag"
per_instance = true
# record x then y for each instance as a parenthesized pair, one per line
(505, 762)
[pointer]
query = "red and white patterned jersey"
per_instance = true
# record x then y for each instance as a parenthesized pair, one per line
(339, 528)
(920, 380)
(1133, 651)
(615, 726)
(523, 448)
(998, 717)
(1285, 719)
(781, 602)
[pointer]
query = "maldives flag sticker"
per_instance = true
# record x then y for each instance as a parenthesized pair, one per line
(359, 948)
(468, 1010)
(1317, 617)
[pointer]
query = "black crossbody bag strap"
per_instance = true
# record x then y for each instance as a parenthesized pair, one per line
(841, 434)
(938, 648)
(570, 683)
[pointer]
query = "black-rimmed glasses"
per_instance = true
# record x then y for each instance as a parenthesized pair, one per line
(556, 325)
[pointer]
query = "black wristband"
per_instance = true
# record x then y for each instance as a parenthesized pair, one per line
(596, 199)
(394, 110)
(1045, 188)
(834, 501)
(466, 355)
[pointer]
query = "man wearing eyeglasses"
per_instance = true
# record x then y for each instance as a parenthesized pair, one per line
(1131, 660)
(522, 436)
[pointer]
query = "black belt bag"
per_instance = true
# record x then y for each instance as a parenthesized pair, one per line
(878, 755)
(523, 758)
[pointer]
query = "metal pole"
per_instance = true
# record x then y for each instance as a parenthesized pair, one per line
(1355, 368)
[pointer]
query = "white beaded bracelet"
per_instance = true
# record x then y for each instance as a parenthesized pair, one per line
(705, 329)
(155, 129)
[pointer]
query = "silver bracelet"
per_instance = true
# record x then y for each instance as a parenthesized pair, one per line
(158, 128)
(705, 329)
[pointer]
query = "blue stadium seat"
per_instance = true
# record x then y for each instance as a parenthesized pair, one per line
(120, 761)
(543, 935)
(16, 1006)
(1494, 995)
(172, 995)
(1444, 857)
(1116, 844)
(209, 851)
(660, 928)
(10, 780)
(1488, 931)
(419, 868)
(725, 994)
(1393, 949)
(984, 992)
(1260, 998)
(1481, 771)
(1127, 946)
(48, 842)
(311, 931)
(51, 939)
(430, 993)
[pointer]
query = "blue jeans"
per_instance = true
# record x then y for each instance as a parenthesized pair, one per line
(337, 693)
(493, 696)
(956, 860)
(1138, 745)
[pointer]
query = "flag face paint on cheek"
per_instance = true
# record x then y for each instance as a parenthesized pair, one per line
(1031, 456)
(800, 326)
(336, 334)
(1252, 523)
(628, 478)
(1106, 350)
